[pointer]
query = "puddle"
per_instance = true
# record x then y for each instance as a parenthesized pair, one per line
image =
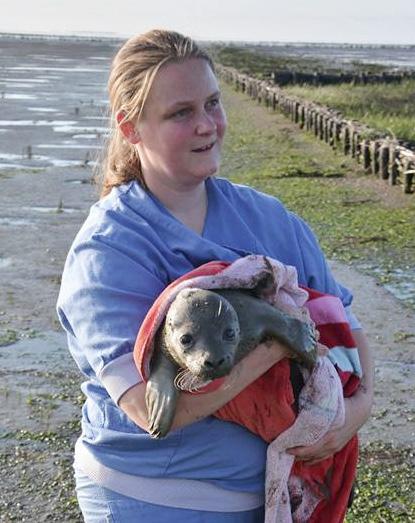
(84, 136)
(19, 85)
(399, 282)
(15, 96)
(10, 156)
(68, 146)
(52, 210)
(39, 161)
(20, 123)
(50, 77)
(16, 221)
(52, 58)
(27, 80)
(95, 118)
(42, 109)
(13, 166)
(79, 129)
(60, 69)
(35, 382)
(5, 262)
(71, 163)
(78, 182)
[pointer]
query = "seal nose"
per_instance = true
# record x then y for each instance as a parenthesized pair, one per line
(214, 365)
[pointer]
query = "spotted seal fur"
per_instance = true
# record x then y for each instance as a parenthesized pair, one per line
(205, 333)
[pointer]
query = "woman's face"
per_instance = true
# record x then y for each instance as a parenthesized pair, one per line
(182, 126)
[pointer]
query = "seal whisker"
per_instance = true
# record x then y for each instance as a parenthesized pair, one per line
(186, 381)
(220, 308)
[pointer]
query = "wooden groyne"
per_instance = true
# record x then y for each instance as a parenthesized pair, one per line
(380, 154)
(288, 77)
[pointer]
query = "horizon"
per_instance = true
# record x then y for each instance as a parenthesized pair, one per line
(107, 35)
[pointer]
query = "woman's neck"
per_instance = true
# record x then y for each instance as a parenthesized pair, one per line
(187, 203)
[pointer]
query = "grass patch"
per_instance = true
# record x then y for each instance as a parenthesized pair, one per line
(385, 486)
(10, 336)
(384, 107)
(7, 337)
(275, 153)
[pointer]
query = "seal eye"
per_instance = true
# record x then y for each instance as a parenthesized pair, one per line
(186, 339)
(229, 335)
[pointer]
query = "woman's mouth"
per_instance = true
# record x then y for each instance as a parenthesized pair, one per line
(204, 148)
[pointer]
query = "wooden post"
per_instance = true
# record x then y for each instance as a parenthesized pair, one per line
(375, 156)
(322, 126)
(346, 140)
(315, 123)
(274, 100)
(307, 118)
(393, 164)
(384, 161)
(337, 133)
(353, 142)
(366, 155)
(302, 116)
(331, 125)
(325, 129)
(407, 174)
(296, 112)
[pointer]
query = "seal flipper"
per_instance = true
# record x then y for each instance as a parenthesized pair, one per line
(161, 396)
(299, 336)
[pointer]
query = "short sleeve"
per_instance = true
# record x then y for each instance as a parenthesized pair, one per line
(107, 289)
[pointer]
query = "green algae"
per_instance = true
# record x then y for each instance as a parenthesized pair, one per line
(385, 490)
(38, 475)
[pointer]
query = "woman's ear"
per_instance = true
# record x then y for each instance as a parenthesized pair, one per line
(127, 128)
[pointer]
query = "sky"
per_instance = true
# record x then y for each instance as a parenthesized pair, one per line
(353, 21)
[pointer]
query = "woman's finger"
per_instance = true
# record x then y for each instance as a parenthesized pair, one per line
(309, 451)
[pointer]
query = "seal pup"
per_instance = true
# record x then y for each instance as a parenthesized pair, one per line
(205, 333)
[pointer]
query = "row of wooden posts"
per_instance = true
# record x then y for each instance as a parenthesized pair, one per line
(287, 77)
(381, 155)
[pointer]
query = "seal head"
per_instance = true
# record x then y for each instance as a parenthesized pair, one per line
(202, 333)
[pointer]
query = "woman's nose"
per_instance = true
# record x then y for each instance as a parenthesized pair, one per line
(206, 124)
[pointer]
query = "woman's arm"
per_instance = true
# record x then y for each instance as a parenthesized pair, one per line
(357, 410)
(193, 407)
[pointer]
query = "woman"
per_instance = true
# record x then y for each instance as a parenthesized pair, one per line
(162, 213)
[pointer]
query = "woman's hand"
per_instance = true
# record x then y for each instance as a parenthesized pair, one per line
(357, 412)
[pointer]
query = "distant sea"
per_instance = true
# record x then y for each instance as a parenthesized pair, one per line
(394, 56)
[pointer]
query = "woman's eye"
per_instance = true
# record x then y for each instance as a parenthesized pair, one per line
(212, 104)
(181, 114)
(229, 334)
(186, 339)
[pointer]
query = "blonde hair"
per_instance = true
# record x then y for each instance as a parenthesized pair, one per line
(132, 74)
